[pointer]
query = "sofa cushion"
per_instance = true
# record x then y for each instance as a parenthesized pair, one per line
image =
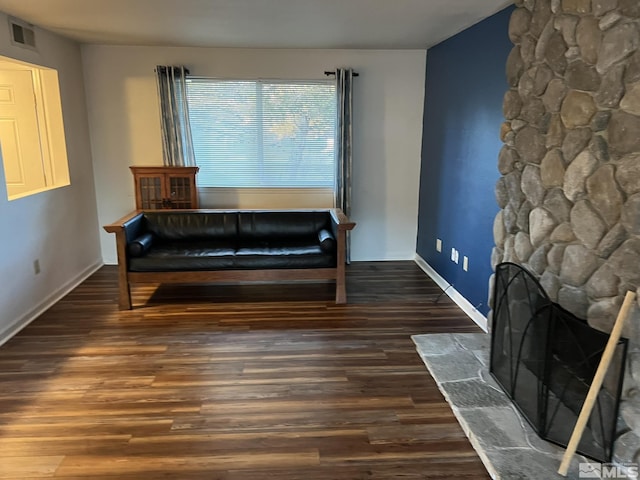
(162, 260)
(261, 224)
(285, 256)
(172, 226)
(184, 256)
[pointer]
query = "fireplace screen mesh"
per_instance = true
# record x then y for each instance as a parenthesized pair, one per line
(545, 358)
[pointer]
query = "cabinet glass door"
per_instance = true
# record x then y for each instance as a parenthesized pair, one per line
(180, 192)
(151, 192)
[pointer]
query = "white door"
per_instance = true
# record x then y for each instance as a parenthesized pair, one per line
(19, 133)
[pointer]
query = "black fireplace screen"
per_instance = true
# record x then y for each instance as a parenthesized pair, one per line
(545, 358)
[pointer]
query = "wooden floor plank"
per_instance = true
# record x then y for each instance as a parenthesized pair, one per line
(30, 466)
(234, 382)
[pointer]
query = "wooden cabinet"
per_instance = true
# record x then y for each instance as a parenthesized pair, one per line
(159, 188)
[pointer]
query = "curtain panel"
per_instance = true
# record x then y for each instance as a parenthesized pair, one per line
(344, 134)
(177, 146)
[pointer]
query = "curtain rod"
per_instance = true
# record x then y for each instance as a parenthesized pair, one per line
(355, 74)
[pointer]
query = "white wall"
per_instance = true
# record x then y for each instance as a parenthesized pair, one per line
(125, 128)
(59, 227)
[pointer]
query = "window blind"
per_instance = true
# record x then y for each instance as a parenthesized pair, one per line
(263, 133)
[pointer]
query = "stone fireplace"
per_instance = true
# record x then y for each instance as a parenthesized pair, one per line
(569, 193)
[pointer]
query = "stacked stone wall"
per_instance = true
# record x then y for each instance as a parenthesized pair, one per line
(570, 187)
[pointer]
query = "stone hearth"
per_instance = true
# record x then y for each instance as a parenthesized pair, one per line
(507, 445)
(569, 195)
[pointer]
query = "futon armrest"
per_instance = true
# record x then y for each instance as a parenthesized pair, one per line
(121, 223)
(130, 224)
(340, 220)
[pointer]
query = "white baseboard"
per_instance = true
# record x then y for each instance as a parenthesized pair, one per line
(453, 294)
(47, 303)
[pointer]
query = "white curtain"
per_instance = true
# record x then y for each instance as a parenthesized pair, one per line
(344, 134)
(177, 146)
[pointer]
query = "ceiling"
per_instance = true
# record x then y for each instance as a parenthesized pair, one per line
(366, 24)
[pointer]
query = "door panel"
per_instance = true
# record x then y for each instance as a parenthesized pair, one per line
(19, 133)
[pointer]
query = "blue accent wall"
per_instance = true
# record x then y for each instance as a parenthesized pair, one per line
(465, 85)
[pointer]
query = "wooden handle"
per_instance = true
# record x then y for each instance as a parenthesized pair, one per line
(596, 384)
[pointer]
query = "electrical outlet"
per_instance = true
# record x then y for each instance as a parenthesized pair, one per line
(36, 266)
(465, 263)
(453, 254)
(438, 245)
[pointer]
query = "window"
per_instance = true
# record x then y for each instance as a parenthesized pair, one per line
(34, 153)
(263, 133)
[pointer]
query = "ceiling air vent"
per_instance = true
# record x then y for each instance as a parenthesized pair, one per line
(22, 33)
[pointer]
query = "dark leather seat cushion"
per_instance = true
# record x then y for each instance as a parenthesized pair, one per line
(185, 256)
(283, 254)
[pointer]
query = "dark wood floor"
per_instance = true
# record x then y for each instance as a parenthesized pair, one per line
(234, 382)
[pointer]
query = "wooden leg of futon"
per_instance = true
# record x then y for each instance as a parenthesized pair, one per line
(341, 289)
(124, 297)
